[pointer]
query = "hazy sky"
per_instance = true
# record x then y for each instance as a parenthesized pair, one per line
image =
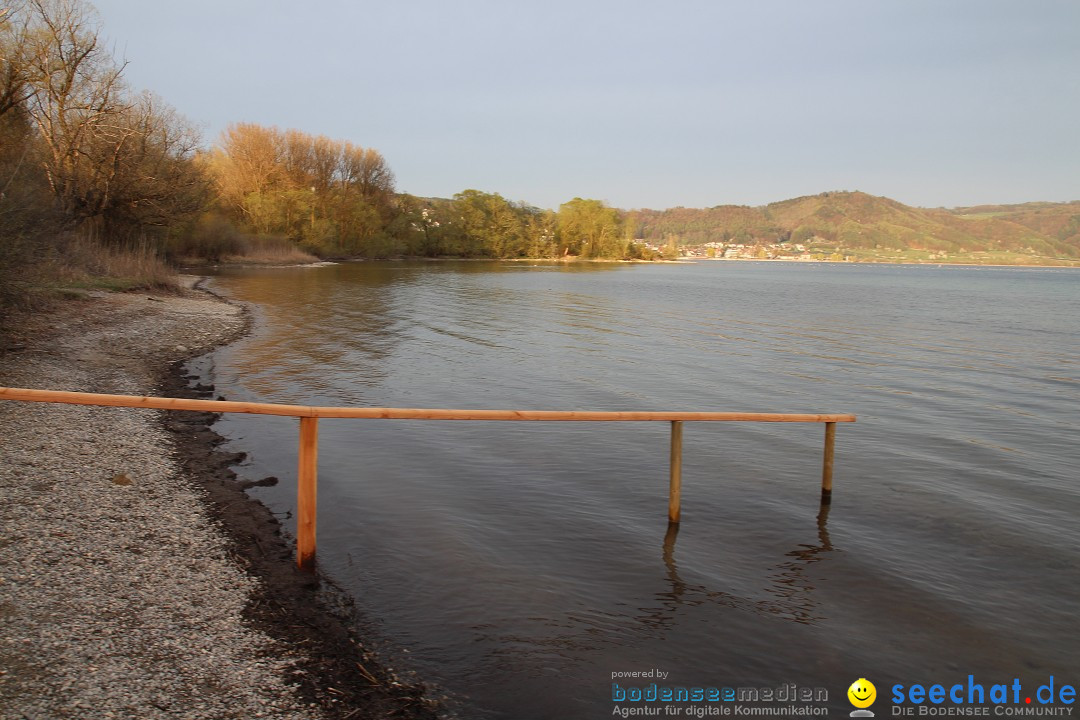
(643, 104)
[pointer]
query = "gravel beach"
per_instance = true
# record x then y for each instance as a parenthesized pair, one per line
(123, 592)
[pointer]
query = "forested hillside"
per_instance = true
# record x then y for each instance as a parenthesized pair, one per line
(855, 220)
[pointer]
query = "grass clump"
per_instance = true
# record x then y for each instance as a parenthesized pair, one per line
(88, 264)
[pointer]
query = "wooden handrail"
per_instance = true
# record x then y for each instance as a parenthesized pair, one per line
(309, 418)
(160, 403)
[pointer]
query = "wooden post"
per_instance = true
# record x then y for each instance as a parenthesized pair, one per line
(675, 496)
(306, 487)
(827, 466)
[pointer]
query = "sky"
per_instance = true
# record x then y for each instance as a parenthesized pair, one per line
(935, 103)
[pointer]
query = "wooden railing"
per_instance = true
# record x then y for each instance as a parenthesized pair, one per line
(309, 416)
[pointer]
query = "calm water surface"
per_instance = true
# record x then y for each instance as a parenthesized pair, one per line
(518, 565)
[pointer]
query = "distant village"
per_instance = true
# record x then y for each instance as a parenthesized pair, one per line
(753, 251)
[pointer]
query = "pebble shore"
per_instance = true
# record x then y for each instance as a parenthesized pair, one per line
(119, 597)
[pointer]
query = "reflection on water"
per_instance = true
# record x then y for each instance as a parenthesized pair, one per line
(521, 563)
(792, 586)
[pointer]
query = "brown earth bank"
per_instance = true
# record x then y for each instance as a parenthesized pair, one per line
(138, 578)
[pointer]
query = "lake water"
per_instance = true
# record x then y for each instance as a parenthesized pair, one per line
(519, 565)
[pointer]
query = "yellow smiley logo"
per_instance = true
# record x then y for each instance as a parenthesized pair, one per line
(862, 693)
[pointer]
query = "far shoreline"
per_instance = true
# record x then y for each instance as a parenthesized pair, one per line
(197, 268)
(914, 263)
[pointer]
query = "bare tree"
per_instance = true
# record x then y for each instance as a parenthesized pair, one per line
(76, 93)
(116, 160)
(248, 164)
(14, 89)
(142, 167)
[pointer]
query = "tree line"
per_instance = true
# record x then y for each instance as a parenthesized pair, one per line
(481, 224)
(336, 199)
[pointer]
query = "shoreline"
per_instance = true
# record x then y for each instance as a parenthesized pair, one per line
(198, 268)
(920, 263)
(683, 260)
(140, 579)
(301, 609)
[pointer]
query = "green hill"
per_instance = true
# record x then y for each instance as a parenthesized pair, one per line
(1060, 221)
(868, 227)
